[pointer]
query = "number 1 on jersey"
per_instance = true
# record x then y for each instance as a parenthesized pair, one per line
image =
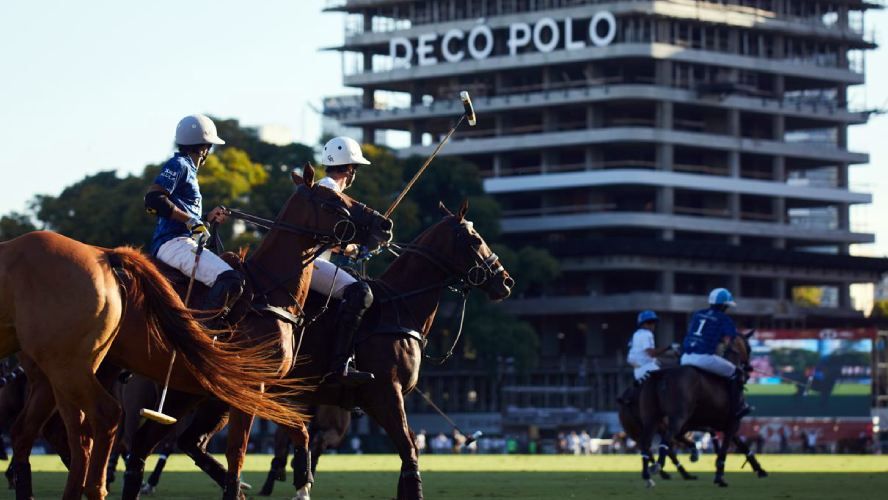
(699, 331)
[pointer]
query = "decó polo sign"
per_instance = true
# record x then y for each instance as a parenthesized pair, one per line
(545, 35)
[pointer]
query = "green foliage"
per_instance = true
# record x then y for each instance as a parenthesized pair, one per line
(102, 209)
(14, 225)
(493, 333)
(228, 176)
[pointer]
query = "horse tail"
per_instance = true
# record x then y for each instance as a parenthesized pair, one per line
(233, 372)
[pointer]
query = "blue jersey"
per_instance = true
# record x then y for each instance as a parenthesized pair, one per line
(706, 330)
(178, 177)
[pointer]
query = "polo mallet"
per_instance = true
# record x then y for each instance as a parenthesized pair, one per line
(159, 416)
(470, 438)
(469, 113)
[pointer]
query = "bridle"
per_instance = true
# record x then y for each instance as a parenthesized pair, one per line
(482, 269)
(344, 231)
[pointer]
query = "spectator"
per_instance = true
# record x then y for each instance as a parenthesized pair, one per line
(421, 442)
(585, 443)
(573, 443)
(356, 445)
(441, 443)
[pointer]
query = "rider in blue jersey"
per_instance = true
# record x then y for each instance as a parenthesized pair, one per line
(709, 332)
(175, 198)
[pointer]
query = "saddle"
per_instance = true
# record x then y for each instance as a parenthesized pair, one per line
(244, 305)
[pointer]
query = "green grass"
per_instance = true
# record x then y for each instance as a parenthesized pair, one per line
(530, 477)
(790, 390)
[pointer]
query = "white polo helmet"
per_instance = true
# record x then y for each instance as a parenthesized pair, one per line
(343, 151)
(196, 129)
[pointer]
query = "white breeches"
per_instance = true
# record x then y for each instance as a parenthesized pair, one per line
(711, 363)
(180, 252)
(642, 371)
(325, 275)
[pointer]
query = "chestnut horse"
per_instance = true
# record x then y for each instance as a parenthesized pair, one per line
(69, 306)
(450, 253)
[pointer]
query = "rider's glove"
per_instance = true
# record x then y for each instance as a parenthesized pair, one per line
(199, 231)
(676, 347)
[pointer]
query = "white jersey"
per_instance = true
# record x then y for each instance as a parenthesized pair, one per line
(329, 183)
(642, 340)
(641, 361)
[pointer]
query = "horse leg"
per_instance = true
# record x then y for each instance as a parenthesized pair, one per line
(723, 453)
(742, 447)
(388, 411)
(145, 439)
(26, 429)
(664, 450)
(103, 420)
(674, 457)
(302, 474)
(210, 417)
(239, 425)
(278, 470)
(166, 449)
(79, 442)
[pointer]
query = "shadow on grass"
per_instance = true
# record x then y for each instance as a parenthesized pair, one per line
(519, 485)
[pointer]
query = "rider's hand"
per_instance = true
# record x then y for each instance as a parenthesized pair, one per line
(217, 215)
(676, 347)
(351, 250)
(199, 231)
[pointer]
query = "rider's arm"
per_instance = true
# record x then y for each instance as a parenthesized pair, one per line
(157, 201)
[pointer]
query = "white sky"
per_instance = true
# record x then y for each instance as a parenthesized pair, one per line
(98, 85)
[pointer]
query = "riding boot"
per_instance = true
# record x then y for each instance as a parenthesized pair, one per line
(356, 299)
(739, 408)
(225, 291)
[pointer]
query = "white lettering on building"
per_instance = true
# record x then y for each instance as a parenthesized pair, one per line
(545, 35)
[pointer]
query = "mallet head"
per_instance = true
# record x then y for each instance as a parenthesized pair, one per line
(470, 110)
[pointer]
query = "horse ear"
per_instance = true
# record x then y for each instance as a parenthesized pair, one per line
(444, 210)
(748, 335)
(297, 179)
(463, 209)
(308, 173)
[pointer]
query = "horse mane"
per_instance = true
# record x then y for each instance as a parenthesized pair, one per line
(231, 371)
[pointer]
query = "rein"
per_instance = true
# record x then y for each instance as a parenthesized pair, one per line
(475, 276)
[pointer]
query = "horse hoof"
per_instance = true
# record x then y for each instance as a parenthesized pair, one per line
(762, 473)
(147, 489)
(721, 483)
(695, 457)
(650, 483)
(303, 493)
(665, 475)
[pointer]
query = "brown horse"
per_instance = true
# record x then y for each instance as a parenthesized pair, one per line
(449, 253)
(676, 401)
(69, 306)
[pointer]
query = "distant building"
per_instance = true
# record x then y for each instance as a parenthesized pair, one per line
(658, 148)
(279, 135)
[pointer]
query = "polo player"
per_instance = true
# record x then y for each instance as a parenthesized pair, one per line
(176, 200)
(342, 157)
(709, 333)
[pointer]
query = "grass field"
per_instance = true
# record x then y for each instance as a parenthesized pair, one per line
(530, 477)
(789, 390)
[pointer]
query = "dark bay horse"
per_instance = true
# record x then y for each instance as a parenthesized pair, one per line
(450, 253)
(676, 401)
(69, 306)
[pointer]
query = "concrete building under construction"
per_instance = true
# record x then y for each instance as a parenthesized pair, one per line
(658, 148)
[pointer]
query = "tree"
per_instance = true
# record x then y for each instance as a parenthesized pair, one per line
(14, 225)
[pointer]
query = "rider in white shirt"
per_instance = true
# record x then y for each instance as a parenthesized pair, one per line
(642, 349)
(342, 158)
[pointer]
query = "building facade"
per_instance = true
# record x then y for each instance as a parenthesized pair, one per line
(658, 148)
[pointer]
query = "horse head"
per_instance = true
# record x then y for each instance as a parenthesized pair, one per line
(739, 351)
(467, 254)
(336, 217)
